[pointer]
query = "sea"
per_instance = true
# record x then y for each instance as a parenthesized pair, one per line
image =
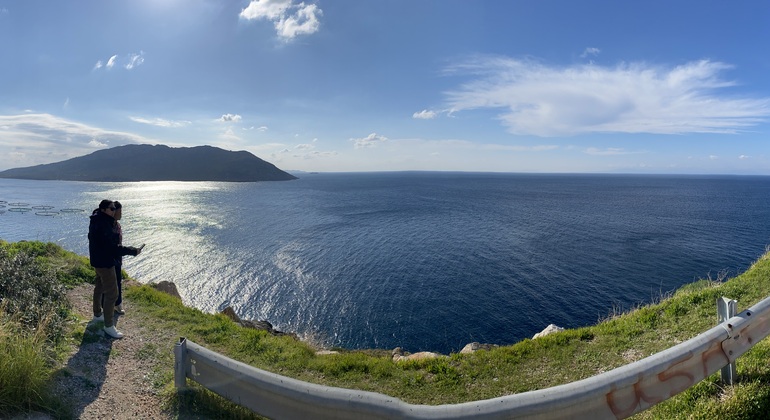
(425, 261)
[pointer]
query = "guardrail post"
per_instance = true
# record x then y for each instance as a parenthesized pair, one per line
(180, 350)
(726, 310)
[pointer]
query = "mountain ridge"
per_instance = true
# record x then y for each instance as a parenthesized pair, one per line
(144, 162)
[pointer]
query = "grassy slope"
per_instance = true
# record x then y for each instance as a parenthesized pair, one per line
(527, 365)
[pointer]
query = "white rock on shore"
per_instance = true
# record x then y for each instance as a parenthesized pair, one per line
(550, 329)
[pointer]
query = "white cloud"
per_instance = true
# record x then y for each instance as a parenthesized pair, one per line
(289, 19)
(424, 115)
(3, 11)
(131, 61)
(629, 98)
(713, 157)
(135, 60)
(372, 140)
(230, 118)
(743, 157)
(303, 22)
(265, 9)
(33, 139)
(304, 146)
(229, 137)
(590, 51)
(610, 151)
(517, 148)
(96, 144)
(262, 128)
(160, 122)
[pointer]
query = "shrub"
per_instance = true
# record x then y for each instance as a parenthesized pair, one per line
(32, 294)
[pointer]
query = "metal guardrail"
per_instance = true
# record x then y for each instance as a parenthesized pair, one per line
(616, 394)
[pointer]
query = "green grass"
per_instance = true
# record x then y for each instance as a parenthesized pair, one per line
(528, 365)
(23, 368)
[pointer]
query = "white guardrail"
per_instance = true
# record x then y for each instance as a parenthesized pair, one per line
(616, 394)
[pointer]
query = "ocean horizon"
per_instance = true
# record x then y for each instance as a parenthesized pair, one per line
(426, 261)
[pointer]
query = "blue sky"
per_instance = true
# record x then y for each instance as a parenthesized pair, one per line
(471, 85)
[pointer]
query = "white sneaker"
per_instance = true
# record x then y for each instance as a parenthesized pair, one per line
(99, 318)
(119, 310)
(112, 332)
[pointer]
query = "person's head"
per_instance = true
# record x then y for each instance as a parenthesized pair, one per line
(118, 207)
(107, 207)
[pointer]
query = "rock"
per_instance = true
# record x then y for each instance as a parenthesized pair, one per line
(400, 356)
(256, 325)
(476, 346)
(230, 313)
(167, 287)
(259, 325)
(325, 352)
(550, 329)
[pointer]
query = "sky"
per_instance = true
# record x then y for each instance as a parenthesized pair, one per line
(595, 86)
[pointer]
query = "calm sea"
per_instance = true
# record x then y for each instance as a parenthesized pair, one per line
(425, 261)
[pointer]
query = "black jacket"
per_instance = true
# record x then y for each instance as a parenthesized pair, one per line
(103, 241)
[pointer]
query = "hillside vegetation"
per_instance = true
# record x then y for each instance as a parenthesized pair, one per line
(32, 275)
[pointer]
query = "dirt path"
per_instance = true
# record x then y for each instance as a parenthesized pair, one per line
(112, 379)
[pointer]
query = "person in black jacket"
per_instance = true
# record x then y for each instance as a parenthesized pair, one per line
(117, 215)
(103, 248)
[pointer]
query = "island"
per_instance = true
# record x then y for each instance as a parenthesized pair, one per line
(144, 162)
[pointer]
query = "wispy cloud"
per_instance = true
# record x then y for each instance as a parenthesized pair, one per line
(229, 136)
(135, 60)
(372, 140)
(130, 62)
(590, 51)
(289, 19)
(160, 122)
(424, 115)
(543, 100)
(33, 139)
(610, 151)
(229, 118)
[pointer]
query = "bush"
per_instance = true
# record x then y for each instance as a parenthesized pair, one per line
(32, 294)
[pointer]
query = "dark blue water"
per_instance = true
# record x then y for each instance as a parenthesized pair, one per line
(425, 261)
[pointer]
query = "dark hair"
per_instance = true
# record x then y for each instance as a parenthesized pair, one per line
(117, 204)
(105, 204)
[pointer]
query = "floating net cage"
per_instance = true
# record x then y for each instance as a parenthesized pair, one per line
(39, 210)
(47, 213)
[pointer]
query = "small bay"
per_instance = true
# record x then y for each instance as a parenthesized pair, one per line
(421, 260)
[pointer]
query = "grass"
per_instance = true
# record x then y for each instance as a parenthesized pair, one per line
(528, 365)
